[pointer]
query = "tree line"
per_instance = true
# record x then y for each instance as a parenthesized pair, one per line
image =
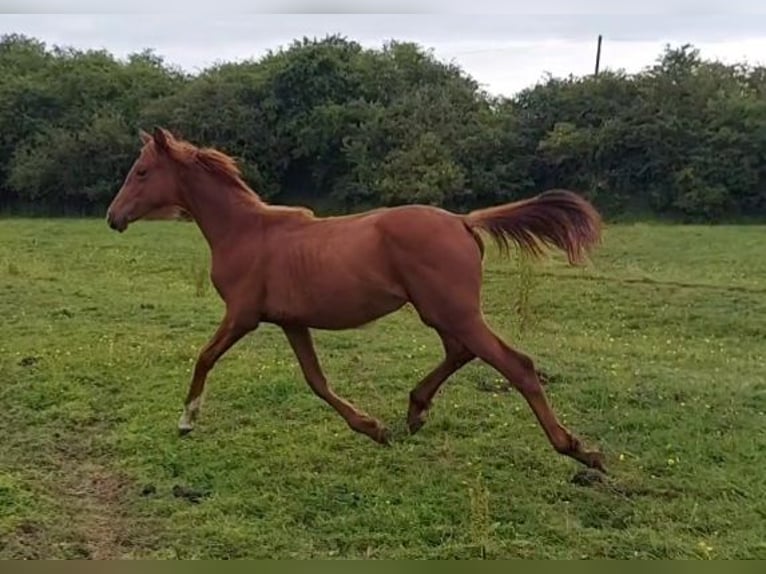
(330, 124)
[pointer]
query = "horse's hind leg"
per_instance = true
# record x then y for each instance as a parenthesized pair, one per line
(302, 345)
(447, 297)
(520, 372)
(456, 355)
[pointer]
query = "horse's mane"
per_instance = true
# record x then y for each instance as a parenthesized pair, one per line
(211, 160)
(221, 165)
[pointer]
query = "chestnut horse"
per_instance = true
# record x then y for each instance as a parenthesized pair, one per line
(284, 266)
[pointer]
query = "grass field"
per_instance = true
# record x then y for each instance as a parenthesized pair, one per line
(655, 353)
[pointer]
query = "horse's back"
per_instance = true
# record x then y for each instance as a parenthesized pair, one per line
(423, 226)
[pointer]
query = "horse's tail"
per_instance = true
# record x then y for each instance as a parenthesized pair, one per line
(558, 218)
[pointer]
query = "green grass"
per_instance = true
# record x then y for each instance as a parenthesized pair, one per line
(655, 353)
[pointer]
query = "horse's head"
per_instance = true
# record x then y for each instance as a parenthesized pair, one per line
(151, 189)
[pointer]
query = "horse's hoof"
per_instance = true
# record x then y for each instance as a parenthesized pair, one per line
(184, 430)
(384, 436)
(414, 425)
(596, 461)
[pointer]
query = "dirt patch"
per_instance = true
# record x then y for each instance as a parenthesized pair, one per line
(94, 498)
(91, 517)
(29, 541)
(89, 521)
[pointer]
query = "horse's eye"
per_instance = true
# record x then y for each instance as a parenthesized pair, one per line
(141, 172)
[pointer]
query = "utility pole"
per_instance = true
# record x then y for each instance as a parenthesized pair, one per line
(598, 55)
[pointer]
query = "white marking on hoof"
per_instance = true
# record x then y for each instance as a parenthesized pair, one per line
(186, 423)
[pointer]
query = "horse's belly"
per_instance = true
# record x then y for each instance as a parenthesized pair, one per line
(346, 313)
(335, 307)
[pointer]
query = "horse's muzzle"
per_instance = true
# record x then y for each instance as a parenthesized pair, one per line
(117, 223)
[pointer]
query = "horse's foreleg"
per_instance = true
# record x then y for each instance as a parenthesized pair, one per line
(456, 355)
(228, 333)
(303, 346)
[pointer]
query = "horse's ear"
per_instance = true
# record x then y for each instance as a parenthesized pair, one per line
(145, 137)
(161, 139)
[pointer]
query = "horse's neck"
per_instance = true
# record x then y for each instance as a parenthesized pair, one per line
(220, 208)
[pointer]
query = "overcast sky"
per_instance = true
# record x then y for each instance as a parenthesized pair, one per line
(505, 51)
